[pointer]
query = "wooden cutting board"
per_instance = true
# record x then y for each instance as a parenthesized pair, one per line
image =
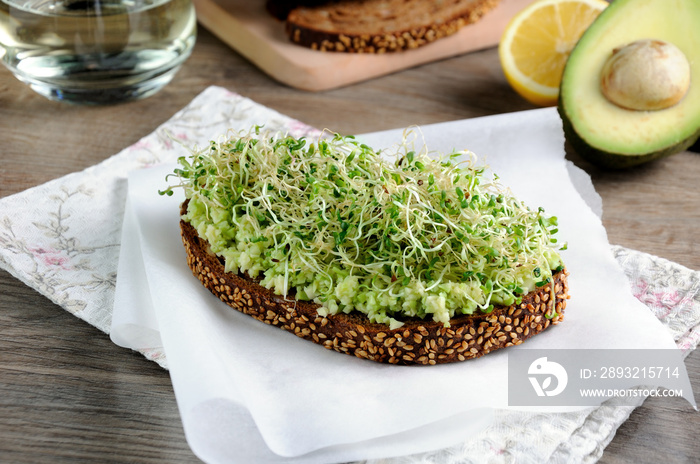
(249, 29)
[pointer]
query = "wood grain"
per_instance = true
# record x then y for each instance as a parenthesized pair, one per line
(67, 394)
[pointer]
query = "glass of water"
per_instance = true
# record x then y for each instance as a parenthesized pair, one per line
(96, 51)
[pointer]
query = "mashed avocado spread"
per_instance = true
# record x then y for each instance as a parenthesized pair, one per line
(393, 236)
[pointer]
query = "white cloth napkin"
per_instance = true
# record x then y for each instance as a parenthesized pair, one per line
(66, 243)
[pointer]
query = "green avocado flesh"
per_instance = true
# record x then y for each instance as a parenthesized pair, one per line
(609, 135)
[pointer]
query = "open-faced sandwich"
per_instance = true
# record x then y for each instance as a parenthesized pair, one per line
(400, 258)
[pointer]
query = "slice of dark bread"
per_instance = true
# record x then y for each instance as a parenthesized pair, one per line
(416, 342)
(380, 26)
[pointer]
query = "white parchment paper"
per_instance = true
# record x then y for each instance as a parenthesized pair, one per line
(249, 392)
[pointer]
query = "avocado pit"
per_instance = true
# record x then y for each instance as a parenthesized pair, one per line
(646, 75)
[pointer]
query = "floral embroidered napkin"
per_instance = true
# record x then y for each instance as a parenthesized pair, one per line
(66, 246)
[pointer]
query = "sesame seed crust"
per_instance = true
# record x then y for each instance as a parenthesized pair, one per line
(302, 26)
(416, 342)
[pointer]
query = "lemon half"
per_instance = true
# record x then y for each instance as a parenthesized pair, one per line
(537, 42)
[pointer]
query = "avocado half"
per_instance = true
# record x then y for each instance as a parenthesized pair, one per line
(614, 137)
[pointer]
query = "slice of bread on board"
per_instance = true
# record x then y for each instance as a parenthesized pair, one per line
(377, 26)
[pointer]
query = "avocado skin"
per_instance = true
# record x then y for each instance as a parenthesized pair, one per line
(696, 146)
(610, 160)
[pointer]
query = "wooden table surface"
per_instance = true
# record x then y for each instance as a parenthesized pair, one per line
(67, 394)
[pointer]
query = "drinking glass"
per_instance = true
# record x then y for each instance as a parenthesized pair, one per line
(96, 51)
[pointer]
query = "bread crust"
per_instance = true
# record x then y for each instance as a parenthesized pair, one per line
(315, 27)
(416, 342)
